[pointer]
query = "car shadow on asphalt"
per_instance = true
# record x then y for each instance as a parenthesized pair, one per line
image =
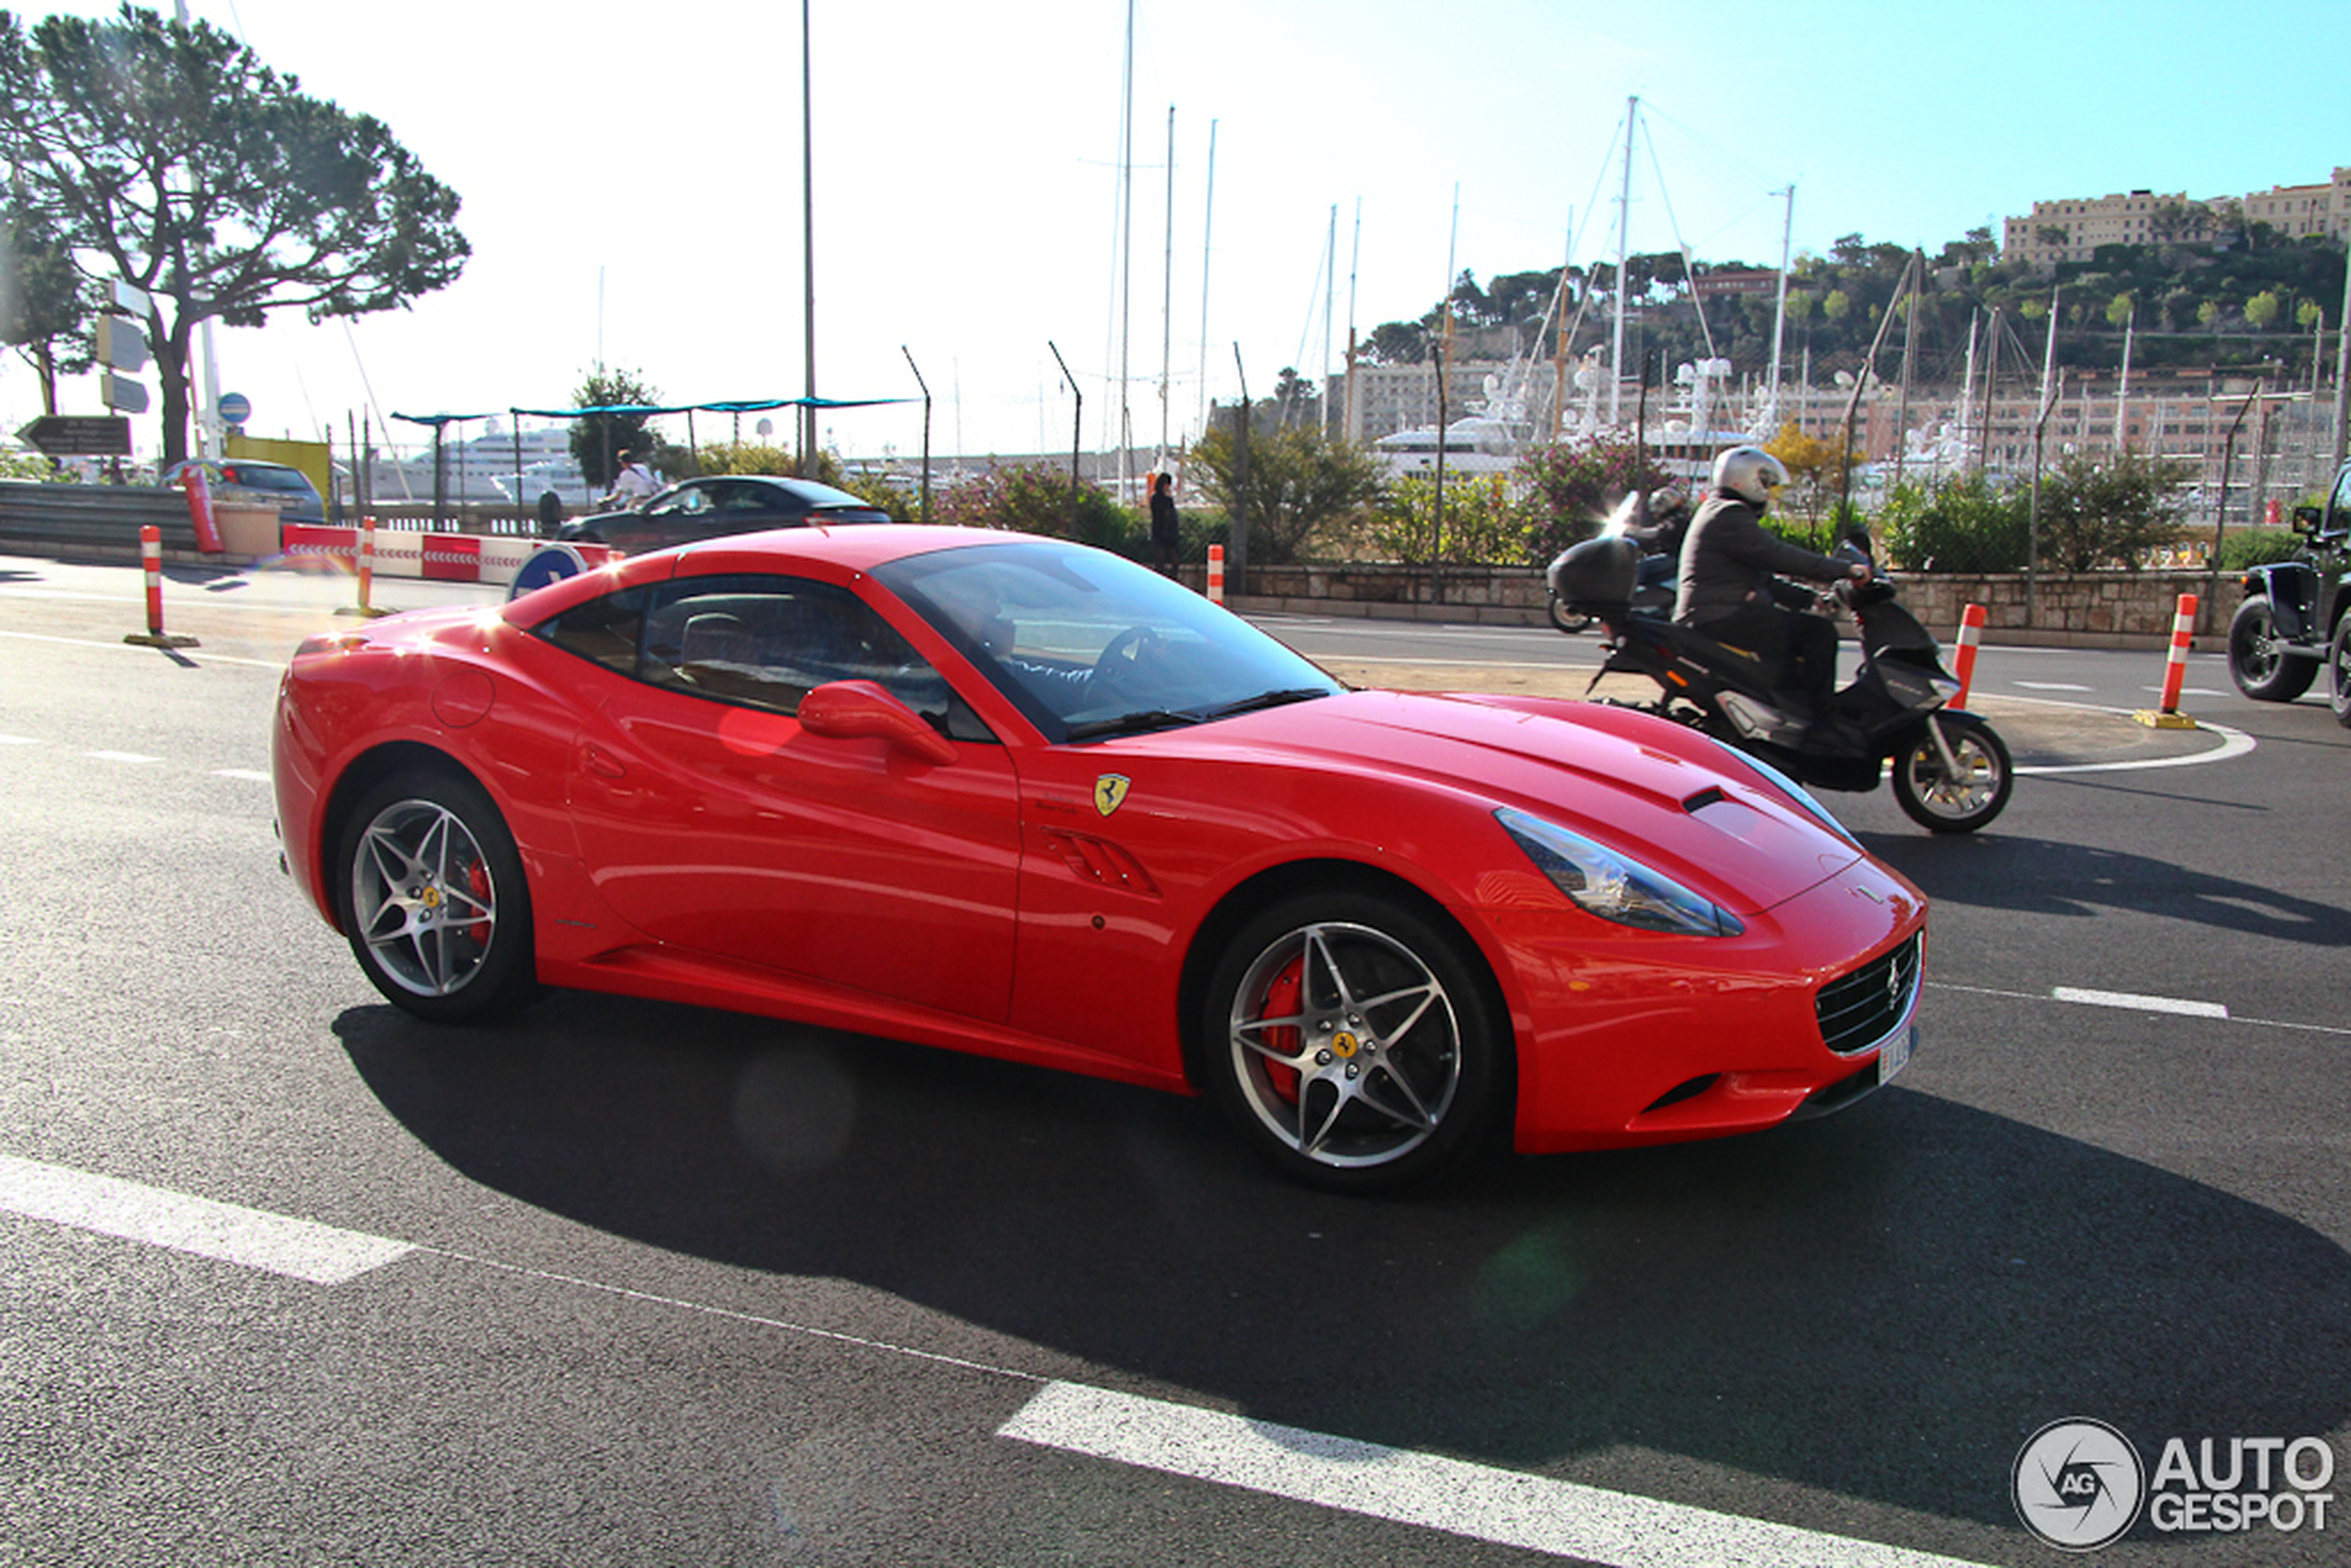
(2051, 876)
(1881, 1305)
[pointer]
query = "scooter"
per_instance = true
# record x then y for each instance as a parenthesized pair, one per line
(1951, 769)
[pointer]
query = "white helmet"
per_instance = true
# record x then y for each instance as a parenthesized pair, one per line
(1750, 473)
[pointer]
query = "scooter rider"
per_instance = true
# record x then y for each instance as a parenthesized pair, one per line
(1729, 564)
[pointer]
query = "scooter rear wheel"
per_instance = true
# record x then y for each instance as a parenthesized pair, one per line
(1567, 620)
(1940, 801)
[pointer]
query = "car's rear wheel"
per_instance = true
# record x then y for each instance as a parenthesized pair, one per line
(2258, 659)
(429, 890)
(1355, 1041)
(2339, 672)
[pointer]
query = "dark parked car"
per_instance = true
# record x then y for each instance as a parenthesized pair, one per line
(250, 480)
(2296, 619)
(707, 508)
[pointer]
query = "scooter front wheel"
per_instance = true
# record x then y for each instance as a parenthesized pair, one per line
(1942, 799)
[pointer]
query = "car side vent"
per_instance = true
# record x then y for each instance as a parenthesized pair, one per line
(1710, 796)
(1101, 861)
(1857, 1010)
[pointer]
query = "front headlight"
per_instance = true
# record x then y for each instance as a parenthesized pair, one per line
(1612, 886)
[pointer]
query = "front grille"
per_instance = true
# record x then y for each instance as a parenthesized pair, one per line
(1860, 1009)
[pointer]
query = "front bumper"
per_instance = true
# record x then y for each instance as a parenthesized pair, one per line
(1635, 1038)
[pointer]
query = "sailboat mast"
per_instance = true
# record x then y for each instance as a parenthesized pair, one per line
(1126, 250)
(1206, 222)
(1167, 296)
(1624, 237)
(1779, 321)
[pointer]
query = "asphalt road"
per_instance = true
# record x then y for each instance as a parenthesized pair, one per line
(629, 1283)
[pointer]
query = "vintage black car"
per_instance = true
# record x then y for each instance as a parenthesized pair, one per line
(2297, 615)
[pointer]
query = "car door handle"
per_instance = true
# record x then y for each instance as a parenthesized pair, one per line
(601, 763)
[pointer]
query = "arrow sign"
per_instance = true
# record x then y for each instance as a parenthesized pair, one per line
(79, 435)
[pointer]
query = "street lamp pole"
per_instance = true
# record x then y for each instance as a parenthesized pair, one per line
(808, 239)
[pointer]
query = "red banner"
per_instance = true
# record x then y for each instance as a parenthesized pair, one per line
(453, 558)
(200, 509)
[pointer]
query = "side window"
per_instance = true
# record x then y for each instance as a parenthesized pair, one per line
(603, 631)
(767, 642)
(2339, 513)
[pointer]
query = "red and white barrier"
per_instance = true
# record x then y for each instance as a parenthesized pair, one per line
(1217, 574)
(1964, 661)
(2175, 671)
(151, 558)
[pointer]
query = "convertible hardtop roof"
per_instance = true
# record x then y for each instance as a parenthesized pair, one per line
(860, 547)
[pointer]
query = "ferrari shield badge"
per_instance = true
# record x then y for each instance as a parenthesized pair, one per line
(1110, 790)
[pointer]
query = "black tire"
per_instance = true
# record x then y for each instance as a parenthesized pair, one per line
(1939, 802)
(2257, 662)
(430, 891)
(1414, 1063)
(1567, 620)
(2339, 672)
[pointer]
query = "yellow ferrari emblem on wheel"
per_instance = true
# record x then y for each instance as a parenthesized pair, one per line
(1110, 791)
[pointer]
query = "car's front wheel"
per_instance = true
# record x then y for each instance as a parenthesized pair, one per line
(1355, 1041)
(429, 890)
(2258, 659)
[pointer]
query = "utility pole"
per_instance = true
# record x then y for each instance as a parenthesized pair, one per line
(808, 242)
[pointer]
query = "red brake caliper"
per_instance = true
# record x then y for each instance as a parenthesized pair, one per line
(1283, 997)
(478, 884)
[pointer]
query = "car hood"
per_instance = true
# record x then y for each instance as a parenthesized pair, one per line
(1652, 790)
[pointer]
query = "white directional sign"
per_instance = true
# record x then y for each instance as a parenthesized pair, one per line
(121, 393)
(121, 344)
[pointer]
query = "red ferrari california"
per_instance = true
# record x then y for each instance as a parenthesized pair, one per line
(1022, 798)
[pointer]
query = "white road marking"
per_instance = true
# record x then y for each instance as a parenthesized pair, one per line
(18, 740)
(2137, 1004)
(2233, 743)
(251, 776)
(2237, 1018)
(133, 648)
(2049, 686)
(119, 756)
(227, 1232)
(1484, 1503)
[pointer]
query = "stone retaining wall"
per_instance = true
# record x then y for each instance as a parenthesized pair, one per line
(2106, 609)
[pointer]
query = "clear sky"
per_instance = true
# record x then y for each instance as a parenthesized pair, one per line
(631, 177)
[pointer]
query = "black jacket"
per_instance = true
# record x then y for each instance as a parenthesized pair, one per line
(1728, 561)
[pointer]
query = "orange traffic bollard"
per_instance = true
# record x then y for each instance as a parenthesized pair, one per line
(1217, 574)
(1964, 661)
(151, 558)
(2175, 672)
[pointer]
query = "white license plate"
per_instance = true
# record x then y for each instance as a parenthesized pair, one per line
(1895, 1054)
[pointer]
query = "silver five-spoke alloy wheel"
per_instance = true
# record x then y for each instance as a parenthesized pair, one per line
(424, 897)
(1345, 1045)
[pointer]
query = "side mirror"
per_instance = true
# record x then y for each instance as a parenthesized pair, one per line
(2307, 520)
(859, 710)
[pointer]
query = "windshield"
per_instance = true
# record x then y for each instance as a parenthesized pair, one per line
(1088, 644)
